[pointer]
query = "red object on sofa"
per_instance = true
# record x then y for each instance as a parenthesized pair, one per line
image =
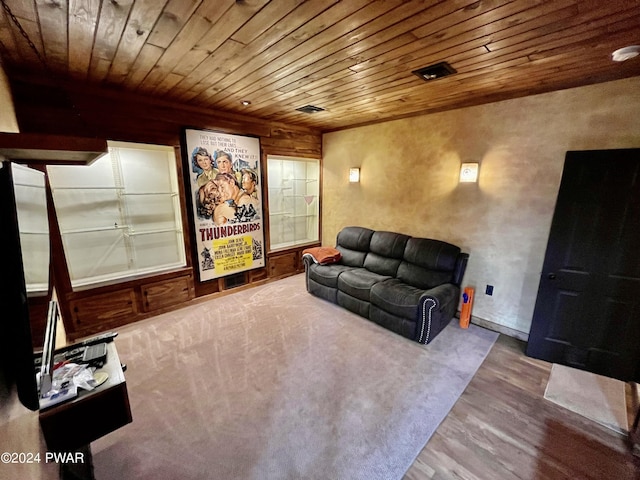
(323, 255)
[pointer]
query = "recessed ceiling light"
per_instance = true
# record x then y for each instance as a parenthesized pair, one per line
(245, 102)
(625, 53)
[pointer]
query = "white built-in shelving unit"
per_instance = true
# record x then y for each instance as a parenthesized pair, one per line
(294, 203)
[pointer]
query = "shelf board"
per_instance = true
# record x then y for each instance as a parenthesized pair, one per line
(53, 149)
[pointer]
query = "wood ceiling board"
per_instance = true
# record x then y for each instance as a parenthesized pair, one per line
(143, 17)
(354, 58)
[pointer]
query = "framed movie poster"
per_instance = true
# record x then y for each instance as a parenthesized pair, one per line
(224, 176)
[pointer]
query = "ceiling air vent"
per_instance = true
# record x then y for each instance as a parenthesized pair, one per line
(310, 109)
(434, 72)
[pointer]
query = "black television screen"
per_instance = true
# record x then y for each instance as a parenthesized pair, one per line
(16, 347)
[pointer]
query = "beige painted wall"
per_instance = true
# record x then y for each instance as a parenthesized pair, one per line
(409, 181)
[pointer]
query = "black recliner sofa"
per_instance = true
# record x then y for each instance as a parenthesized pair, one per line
(408, 285)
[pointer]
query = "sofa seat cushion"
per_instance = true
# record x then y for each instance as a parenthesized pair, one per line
(327, 275)
(398, 298)
(358, 282)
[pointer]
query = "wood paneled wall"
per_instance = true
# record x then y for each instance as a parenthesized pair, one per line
(59, 108)
(72, 109)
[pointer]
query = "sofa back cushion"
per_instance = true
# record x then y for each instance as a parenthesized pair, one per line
(353, 244)
(428, 263)
(385, 253)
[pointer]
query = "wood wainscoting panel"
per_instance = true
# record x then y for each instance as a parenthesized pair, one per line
(167, 293)
(283, 264)
(99, 312)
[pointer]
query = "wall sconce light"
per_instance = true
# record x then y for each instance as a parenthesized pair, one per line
(468, 173)
(354, 175)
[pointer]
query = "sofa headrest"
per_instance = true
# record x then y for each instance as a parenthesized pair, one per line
(388, 244)
(431, 254)
(355, 238)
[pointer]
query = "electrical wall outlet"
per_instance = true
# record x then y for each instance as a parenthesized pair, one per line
(489, 290)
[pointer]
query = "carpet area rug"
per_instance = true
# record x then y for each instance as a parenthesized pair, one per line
(274, 383)
(598, 398)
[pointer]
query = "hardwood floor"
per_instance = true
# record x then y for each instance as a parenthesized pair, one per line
(503, 428)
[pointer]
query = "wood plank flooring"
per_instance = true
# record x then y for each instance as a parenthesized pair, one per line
(503, 428)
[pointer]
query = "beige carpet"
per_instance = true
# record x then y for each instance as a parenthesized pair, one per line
(273, 383)
(598, 398)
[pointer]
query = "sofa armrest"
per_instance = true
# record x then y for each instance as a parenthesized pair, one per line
(442, 294)
(307, 260)
(436, 308)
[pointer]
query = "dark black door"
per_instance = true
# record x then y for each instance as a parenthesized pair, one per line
(587, 312)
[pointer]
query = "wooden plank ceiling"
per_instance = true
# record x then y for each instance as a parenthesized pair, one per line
(353, 58)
